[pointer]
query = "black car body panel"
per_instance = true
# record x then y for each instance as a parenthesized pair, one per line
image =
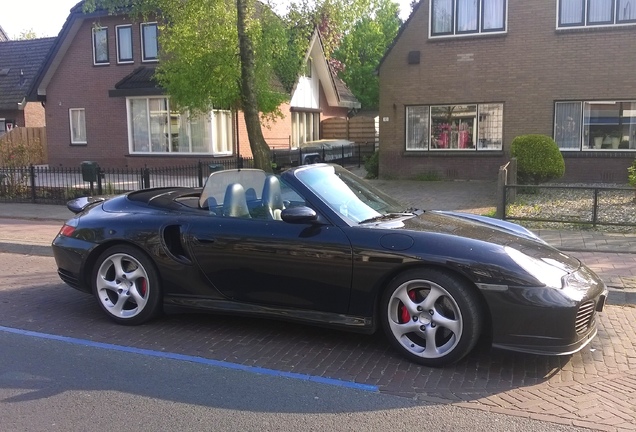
(332, 271)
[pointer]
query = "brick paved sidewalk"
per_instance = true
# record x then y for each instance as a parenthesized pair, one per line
(593, 388)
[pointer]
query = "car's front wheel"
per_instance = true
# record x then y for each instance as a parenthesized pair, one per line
(431, 316)
(126, 285)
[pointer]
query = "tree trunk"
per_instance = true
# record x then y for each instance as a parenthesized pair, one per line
(260, 149)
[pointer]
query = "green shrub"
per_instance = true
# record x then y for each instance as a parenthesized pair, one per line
(372, 165)
(538, 159)
(631, 174)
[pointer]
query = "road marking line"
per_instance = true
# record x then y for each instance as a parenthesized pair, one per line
(193, 359)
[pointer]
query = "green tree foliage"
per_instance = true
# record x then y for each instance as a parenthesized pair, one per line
(362, 49)
(212, 56)
(355, 36)
(539, 159)
(27, 34)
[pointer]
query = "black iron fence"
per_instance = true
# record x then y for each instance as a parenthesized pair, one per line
(565, 204)
(351, 154)
(53, 185)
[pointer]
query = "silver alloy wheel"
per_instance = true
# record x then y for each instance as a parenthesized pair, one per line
(425, 319)
(122, 285)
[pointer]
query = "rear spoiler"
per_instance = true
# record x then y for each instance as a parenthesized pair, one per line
(80, 204)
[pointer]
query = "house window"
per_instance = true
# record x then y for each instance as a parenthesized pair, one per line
(124, 44)
(305, 127)
(588, 13)
(77, 120)
(417, 130)
(308, 68)
(100, 46)
(597, 125)
(462, 17)
(153, 127)
(149, 42)
(454, 127)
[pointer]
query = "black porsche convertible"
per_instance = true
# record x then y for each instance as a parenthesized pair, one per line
(319, 245)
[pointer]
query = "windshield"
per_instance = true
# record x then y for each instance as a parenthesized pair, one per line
(347, 194)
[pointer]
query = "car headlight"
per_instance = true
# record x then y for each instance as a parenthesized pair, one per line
(546, 273)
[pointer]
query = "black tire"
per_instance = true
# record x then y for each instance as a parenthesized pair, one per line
(431, 316)
(126, 285)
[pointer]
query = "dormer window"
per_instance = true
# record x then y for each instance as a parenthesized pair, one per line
(100, 46)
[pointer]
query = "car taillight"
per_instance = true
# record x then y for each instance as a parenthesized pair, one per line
(67, 230)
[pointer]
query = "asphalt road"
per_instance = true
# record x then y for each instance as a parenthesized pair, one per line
(257, 374)
(60, 386)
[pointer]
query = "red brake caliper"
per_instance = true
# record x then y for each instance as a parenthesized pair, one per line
(143, 287)
(404, 313)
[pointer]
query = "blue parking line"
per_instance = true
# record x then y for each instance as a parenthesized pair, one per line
(193, 359)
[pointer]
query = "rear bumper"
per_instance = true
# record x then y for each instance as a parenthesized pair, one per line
(70, 257)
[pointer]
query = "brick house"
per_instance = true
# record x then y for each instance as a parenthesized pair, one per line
(462, 79)
(20, 61)
(103, 104)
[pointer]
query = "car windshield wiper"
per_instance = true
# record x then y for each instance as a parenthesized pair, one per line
(387, 216)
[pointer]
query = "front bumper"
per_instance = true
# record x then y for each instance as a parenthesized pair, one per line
(542, 320)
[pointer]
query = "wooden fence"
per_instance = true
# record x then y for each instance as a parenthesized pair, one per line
(359, 129)
(33, 139)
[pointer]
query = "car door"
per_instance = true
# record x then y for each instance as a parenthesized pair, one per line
(272, 262)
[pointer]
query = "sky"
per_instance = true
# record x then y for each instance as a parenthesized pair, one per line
(46, 17)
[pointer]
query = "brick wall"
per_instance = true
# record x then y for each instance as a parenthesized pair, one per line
(527, 70)
(77, 83)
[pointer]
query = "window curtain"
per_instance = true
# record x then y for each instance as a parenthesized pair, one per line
(600, 11)
(626, 10)
(466, 15)
(125, 43)
(417, 131)
(567, 125)
(200, 133)
(100, 36)
(150, 41)
(571, 12)
(442, 16)
(493, 14)
(139, 124)
(159, 125)
(78, 126)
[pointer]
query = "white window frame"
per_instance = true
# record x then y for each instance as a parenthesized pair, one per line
(604, 131)
(144, 57)
(94, 31)
(82, 125)
(616, 21)
(227, 147)
(477, 129)
(480, 17)
(227, 132)
(132, 52)
(302, 127)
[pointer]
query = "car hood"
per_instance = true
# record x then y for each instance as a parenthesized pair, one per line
(493, 231)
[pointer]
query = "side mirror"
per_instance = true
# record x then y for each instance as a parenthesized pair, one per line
(299, 215)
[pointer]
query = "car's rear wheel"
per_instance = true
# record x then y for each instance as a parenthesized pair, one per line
(431, 316)
(126, 285)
